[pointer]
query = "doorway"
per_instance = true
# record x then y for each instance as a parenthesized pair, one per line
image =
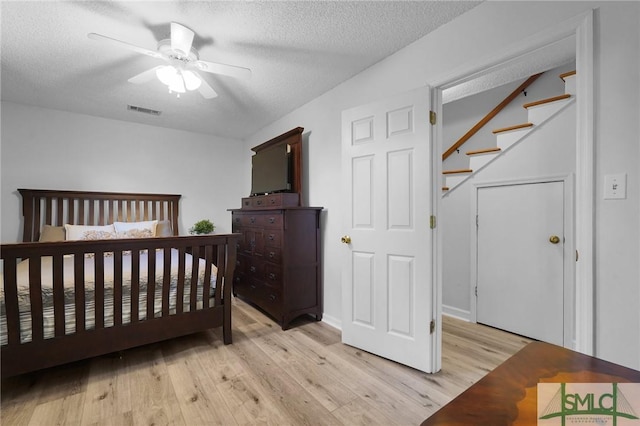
(580, 27)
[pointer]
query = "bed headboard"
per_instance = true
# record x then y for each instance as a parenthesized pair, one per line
(51, 207)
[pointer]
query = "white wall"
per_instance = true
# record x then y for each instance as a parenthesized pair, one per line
(476, 37)
(51, 149)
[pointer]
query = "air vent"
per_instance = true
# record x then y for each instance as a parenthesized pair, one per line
(143, 110)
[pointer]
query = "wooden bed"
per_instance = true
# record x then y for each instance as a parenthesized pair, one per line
(73, 320)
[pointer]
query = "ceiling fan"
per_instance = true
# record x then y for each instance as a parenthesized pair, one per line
(181, 73)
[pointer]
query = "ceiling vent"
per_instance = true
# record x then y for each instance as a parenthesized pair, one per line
(144, 110)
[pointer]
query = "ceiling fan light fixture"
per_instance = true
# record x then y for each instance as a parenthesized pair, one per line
(177, 85)
(167, 74)
(191, 80)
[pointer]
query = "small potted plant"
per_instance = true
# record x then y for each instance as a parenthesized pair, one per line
(204, 226)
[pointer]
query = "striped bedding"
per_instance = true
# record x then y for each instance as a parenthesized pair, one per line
(89, 280)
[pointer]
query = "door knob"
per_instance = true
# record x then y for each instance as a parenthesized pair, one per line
(554, 239)
(346, 239)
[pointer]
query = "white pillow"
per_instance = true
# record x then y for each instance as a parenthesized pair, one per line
(85, 232)
(136, 229)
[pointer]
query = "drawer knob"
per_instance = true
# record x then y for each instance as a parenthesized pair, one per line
(272, 220)
(252, 269)
(272, 297)
(272, 254)
(252, 220)
(272, 276)
(271, 237)
(258, 202)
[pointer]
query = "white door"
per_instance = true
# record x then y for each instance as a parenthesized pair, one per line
(388, 299)
(520, 260)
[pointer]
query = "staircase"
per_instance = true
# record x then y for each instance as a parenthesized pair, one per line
(538, 113)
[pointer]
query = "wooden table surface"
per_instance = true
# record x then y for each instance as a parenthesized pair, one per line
(508, 394)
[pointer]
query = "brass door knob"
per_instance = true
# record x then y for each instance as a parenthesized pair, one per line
(554, 239)
(346, 239)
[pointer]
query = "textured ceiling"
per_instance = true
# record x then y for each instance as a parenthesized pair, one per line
(296, 50)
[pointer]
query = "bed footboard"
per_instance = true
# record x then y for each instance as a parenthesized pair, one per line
(158, 288)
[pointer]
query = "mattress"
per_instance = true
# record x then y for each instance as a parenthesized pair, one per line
(24, 305)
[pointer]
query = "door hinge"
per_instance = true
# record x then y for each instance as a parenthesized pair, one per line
(477, 221)
(432, 118)
(476, 290)
(577, 256)
(432, 222)
(432, 326)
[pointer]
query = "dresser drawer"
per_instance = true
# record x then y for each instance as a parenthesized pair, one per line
(273, 274)
(271, 300)
(273, 221)
(273, 254)
(271, 201)
(273, 238)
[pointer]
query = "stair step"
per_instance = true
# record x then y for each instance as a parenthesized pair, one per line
(540, 111)
(451, 181)
(516, 127)
(481, 157)
(456, 172)
(454, 178)
(484, 151)
(546, 101)
(564, 75)
(505, 139)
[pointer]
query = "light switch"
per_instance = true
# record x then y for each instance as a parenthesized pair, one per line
(615, 186)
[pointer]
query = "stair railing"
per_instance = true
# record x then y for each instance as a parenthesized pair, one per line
(489, 116)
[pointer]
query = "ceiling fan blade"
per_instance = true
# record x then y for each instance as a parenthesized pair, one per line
(205, 90)
(145, 76)
(224, 69)
(152, 53)
(181, 38)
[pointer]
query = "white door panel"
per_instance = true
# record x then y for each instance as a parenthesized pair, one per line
(387, 272)
(520, 272)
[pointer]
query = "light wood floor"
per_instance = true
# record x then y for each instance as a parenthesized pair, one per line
(304, 375)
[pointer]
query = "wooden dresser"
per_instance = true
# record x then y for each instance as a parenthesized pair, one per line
(279, 266)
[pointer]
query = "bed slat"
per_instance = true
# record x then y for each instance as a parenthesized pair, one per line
(37, 213)
(98, 295)
(11, 301)
(35, 298)
(58, 295)
(166, 282)
(220, 261)
(78, 272)
(151, 286)
(117, 288)
(135, 285)
(180, 285)
(194, 278)
(71, 211)
(206, 288)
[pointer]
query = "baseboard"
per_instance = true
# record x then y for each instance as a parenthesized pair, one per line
(332, 321)
(461, 314)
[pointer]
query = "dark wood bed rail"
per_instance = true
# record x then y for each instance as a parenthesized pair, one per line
(18, 358)
(54, 207)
